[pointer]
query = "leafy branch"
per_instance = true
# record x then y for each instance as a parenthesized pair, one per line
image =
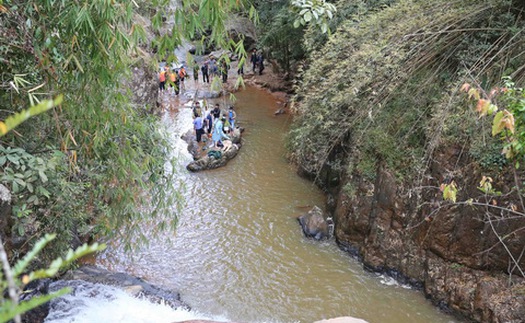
(506, 105)
(314, 12)
(16, 279)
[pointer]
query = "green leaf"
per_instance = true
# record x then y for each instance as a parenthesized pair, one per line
(16, 189)
(324, 27)
(43, 176)
(307, 17)
(497, 124)
(43, 191)
(13, 121)
(23, 307)
(71, 256)
(22, 264)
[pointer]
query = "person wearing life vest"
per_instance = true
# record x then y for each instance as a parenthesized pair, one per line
(173, 81)
(162, 79)
(182, 75)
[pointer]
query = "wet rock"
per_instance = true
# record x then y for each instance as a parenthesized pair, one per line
(133, 285)
(214, 160)
(314, 224)
(34, 289)
(279, 111)
(209, 158)
(242, 28)
(202, 94)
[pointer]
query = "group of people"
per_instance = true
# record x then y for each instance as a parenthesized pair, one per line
(211, 67)
(174, 78)
(257, 60)
(214, 123)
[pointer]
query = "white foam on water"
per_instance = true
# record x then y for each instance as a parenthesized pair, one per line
(390, 281)
(93, 303)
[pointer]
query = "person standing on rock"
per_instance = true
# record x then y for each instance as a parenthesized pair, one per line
(182, 76)
(216, 112)
(172, 82)
(260, 62)
(197, 110)
(253, 60)
(176, 81)
(208, 121)
(231, 118)
(218, 132)
(224, 71)
(213, 66)
(198, 124)
(205, 72)
(196, 72)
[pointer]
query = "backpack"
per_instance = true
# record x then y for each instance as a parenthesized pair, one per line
(215, 154)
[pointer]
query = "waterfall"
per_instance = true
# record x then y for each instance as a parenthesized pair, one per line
(88, 303)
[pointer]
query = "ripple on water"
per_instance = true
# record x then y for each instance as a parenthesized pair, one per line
(238, 250)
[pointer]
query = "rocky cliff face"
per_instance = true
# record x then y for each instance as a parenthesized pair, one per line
(450, 251)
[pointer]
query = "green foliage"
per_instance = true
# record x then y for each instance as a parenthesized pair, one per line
(13, 121)
(15, 278)
(278, 35)
(488, 154)
(383, 84)
(508, 122)
(315, 12)
(102, 157)
(367, 168)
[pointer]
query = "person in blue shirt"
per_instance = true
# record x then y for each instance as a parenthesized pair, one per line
(198, 124)
(231, 118)
(218, 132)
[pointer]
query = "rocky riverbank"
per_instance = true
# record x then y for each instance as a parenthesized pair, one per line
(462, 271)
(452, 256)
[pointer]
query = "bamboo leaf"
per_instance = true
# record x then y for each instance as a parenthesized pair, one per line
(22, 264)
(13, 121)
(26, 306)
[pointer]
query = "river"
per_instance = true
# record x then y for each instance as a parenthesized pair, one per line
(238, 252)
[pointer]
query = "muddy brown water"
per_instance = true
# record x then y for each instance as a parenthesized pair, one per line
(238, 252)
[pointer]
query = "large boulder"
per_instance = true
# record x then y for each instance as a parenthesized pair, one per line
(315, 225)
(215, 158)
(210, 158)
